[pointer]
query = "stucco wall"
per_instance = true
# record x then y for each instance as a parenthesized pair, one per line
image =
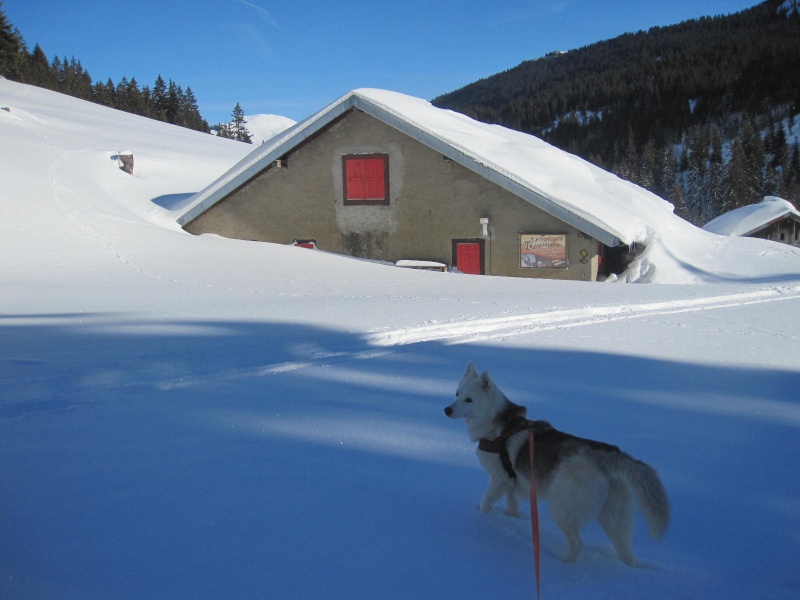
(432, 200)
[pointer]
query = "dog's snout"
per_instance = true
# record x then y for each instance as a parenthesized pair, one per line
(448, 410)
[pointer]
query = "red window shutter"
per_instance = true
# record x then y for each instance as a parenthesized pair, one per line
(356, 179)
(468, 258)
(375, 176)
(366, 179)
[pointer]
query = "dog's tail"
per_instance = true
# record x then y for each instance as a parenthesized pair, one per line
(649, 492)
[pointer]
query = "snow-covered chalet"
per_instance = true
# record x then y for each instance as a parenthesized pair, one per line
(386, 176)
(771, 219)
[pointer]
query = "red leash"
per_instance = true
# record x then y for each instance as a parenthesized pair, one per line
(534, 520)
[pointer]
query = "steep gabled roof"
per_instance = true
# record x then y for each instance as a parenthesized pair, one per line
(746, 220)
(590, 199)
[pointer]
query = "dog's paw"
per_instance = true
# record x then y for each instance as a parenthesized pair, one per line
(514, 513)
(484, 508)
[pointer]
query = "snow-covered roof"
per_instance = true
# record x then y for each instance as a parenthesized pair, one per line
(594, 201)
(745, 220)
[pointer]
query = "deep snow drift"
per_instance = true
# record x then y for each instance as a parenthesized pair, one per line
(198, 417)
(263, 127)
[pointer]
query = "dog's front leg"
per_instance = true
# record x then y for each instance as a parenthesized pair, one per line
(512, 506)
(493, 493)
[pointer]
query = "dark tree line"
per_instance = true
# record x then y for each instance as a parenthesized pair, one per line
(163, 101)
(701, 113)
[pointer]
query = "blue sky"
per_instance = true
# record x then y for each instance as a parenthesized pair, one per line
(292, 58)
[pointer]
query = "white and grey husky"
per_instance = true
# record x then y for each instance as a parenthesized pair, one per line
(580, 479)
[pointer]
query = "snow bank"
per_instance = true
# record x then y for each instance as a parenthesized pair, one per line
(265, 127)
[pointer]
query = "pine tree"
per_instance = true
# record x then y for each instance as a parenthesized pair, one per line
(103, 94)
(80, 83)
(12, 47)
(736, 184)
(779, 146)
(111, 92)
(666, 178)
(122, 95)
(649, 173)
(159, 99)
(679, 202)
(239, 127)
(770, 186)
(790, 175)
(191, 112)
(56, 70)
(753, 147)
(716, 202)
(147, 102)
(37, 69)
(696, 192)
(224, 130)
(136, 101)
(173, 104)
(699, 181)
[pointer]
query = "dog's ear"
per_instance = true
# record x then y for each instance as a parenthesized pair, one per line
(486, 381)
(470, 372)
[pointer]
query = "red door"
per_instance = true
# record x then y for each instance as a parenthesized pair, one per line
(468, 256)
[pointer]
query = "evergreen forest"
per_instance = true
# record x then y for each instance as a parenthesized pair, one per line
(703, 113)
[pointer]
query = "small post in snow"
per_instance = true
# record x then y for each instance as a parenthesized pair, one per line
(125, 161)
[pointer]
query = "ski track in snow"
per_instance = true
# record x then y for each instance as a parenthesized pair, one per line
(505, 327)
(481, 330)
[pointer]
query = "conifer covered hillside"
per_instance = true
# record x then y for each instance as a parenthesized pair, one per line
(703, 113)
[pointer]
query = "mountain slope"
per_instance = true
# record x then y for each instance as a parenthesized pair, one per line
(627, 103)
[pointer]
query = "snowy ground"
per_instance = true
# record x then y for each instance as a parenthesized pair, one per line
(195, 417)
(263, 127)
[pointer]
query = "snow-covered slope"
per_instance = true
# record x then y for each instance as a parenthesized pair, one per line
(197, 417)
(264, 127)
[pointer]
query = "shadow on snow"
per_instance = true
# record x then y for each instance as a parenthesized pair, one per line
(209, 459)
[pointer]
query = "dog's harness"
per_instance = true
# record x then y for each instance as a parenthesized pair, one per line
(498, 444)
